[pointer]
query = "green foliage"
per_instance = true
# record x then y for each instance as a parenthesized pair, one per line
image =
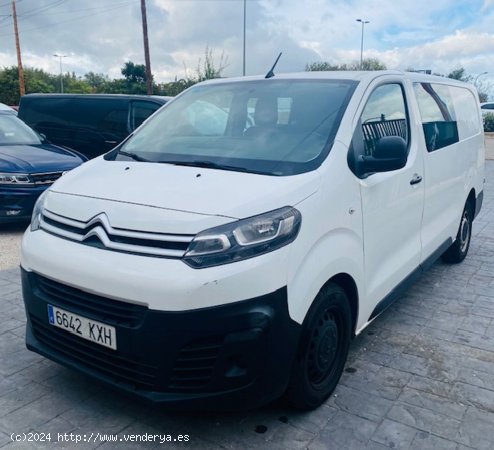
(133, 81)
(483, 97)
(460, 74)
(174, 87)
(483, 87)
(489, 122)
(9, 80)
(367, 64)
(134, 73)
(321, 66)
(96, 81)
(372, 64)
(209, 70)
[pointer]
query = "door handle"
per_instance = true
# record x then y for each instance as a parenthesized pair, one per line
(416, 179)
(111, 142)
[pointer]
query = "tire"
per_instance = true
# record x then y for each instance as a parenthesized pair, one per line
(458, 250)
(323, 349)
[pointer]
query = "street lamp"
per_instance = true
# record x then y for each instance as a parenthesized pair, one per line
(61, 73)
(477, 77)
(363, 22)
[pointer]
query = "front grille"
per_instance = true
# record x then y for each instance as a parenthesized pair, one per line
(90, 305)
(98, 232)
(195, 363)
(45, 178)
(95, 357)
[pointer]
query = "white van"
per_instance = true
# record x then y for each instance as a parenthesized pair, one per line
(227, 252)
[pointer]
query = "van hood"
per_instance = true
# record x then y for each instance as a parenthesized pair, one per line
(229, 194)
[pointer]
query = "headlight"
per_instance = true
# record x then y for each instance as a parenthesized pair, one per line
(39, 206)
(15, 178)
(244, 239)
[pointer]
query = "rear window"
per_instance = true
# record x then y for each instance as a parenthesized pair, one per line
(103, 114)
(448, 114)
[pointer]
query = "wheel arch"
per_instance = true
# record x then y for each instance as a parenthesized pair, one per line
(347, 283)
(472, 199)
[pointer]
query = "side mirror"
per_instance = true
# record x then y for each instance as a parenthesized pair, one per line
(389, 154)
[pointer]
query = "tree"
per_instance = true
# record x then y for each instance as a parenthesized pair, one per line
(459, 74)
(372, 64)
(37, 80)
(97, 81)
(133, 81)
(320, 66)
(367, 64)
(210, 69)
(483, 87)
(174, 87)
(9, 80)
(134, 73)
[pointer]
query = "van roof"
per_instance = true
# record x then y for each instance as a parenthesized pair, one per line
(344, 75)
(158, 98)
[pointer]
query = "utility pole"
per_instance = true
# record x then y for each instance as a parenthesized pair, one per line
(22, 88)
(149, 79)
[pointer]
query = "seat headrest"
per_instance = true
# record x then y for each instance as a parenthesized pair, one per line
(266, 113)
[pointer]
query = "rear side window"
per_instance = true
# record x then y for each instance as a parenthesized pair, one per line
(437, 112)
(140, 111)
(384, 115)
(467, 112)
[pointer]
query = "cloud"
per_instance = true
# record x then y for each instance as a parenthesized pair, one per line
(101, 36)
(487, 5)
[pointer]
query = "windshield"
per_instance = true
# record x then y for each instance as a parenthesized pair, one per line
(15, 131)
(275, 127)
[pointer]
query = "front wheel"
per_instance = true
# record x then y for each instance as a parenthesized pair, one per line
(459, 248)
(323, 349)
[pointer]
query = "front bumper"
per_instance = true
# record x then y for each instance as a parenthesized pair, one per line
(17, 203)
(235, 356)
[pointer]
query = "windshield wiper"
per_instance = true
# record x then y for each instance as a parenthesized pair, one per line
(205, 164)
(134, 156)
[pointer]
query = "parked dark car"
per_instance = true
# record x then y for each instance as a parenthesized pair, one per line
(28, 165)
(89, 123)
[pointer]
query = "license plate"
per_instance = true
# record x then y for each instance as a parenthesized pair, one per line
(88, 329)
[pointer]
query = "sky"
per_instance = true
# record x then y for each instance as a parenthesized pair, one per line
(100, 35)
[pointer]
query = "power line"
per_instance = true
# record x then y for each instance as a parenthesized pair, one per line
(63, 21)
(103, 9)
(108, 5)
(40, 9)
(8, 3)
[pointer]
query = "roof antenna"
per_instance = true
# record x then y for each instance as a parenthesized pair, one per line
(270, 74)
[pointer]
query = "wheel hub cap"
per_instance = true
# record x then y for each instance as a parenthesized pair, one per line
(326, 347)
(464, 232)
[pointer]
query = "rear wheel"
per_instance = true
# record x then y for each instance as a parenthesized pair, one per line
(323, 349)
(459, 249)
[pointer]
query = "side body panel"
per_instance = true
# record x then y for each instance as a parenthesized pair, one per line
(330, 240)
(451, 173)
